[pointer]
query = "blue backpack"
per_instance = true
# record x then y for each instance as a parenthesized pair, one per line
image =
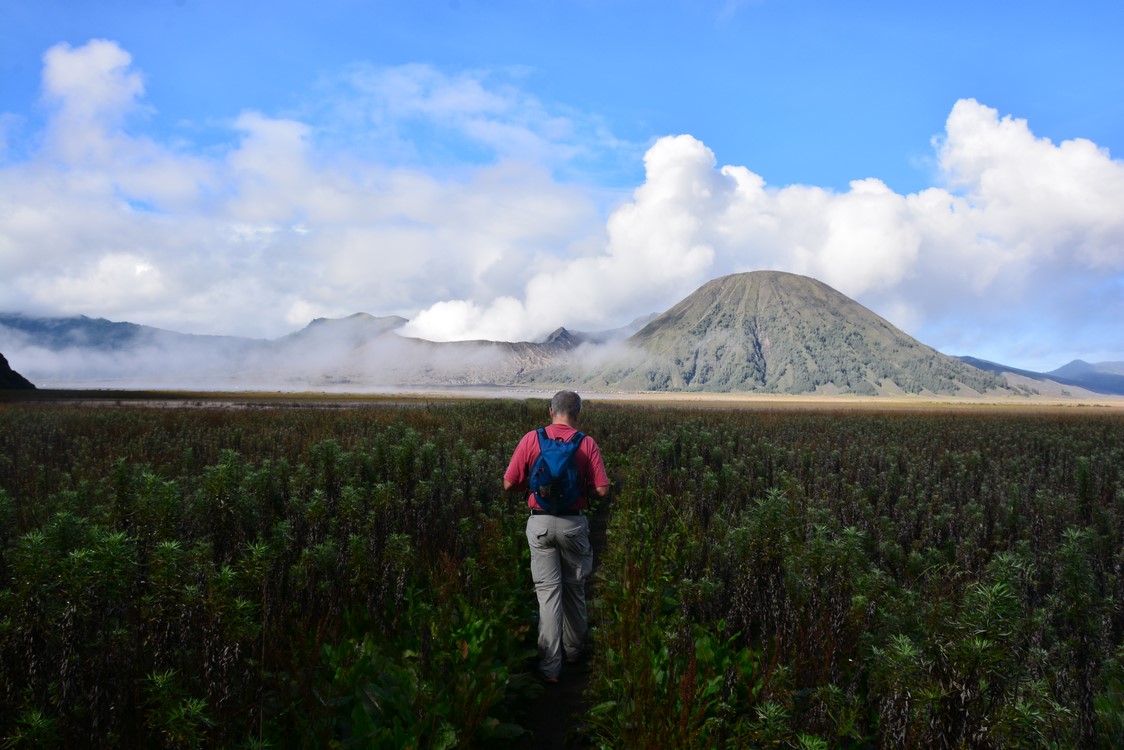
(554, 475)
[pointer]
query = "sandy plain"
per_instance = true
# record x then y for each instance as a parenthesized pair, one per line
(334, 399)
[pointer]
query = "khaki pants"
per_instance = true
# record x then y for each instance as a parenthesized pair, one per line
(561, 559)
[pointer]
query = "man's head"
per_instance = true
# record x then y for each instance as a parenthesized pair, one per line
(566, 405)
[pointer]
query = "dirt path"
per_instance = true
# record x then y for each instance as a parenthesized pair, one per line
(554, 720)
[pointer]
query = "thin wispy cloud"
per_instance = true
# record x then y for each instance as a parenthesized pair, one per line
(418, 114)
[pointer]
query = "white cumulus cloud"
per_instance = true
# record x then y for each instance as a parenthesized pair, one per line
(1018, 228)
(279, 221)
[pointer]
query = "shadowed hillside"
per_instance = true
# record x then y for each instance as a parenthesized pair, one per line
(10, 379)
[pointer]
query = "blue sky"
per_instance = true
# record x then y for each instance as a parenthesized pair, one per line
(243, 167)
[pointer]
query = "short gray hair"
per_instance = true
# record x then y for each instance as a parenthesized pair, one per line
(566, 403)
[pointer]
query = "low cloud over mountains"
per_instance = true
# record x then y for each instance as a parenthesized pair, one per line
(764, 332)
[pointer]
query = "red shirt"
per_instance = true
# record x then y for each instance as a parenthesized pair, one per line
(591, 466)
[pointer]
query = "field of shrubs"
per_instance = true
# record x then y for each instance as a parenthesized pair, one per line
(355, 577)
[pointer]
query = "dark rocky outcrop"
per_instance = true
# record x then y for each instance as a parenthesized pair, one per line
(12, 380)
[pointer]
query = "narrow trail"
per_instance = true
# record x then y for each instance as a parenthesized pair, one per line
(553, 719)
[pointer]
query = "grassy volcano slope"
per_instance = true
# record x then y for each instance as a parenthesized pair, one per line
(783, 333)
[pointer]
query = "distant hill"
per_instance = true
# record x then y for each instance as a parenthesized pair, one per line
(77, 331)
(12, 380)
(81, 332)
(1105, 377)
(93, 352)
(776, 332)
(355, 329)
(1076, 378)
(614, 335)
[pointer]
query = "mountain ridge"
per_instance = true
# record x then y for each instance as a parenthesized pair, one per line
(760, 331)
(1097, 378)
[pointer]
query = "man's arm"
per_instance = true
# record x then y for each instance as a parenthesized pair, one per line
(514, 478)
(598, 476)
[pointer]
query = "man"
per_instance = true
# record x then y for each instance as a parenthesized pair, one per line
(561, 555)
